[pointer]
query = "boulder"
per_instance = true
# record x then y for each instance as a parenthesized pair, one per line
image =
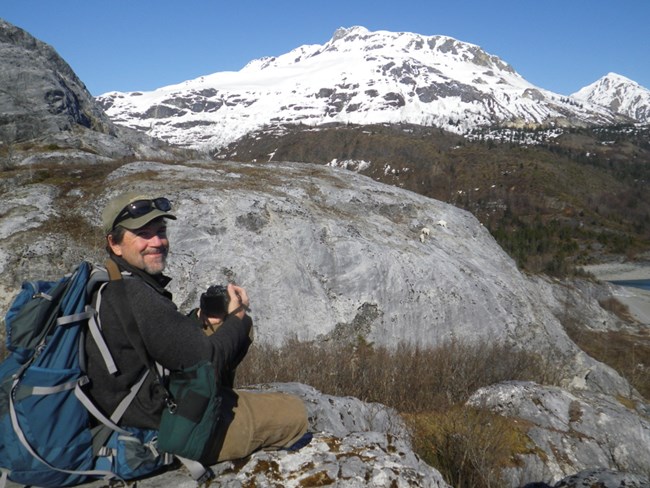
(571, 432)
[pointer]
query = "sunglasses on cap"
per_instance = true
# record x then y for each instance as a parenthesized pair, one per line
(143, 207)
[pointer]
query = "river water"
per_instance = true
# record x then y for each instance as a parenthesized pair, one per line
(643, 284)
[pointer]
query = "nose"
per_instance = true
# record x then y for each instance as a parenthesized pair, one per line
(156, 241)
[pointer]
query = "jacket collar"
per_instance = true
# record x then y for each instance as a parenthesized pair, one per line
(158, 282)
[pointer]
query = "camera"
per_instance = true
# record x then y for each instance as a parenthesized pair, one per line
(214, 302)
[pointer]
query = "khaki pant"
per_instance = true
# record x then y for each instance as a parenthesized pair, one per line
(252, 421)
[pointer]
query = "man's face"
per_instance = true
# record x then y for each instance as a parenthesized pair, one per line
(145, 248)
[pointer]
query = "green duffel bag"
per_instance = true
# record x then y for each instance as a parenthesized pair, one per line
(189, 422)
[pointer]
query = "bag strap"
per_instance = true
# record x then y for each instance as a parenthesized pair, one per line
(114, 273)
(95, 327)
(15, 423)
(107, 424)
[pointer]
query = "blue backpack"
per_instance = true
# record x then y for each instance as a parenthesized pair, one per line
(52, 434)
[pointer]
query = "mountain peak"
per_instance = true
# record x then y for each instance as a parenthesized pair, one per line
(620, 94)
(343, 32)
(41, 90)
(615, 77)
(614, 80)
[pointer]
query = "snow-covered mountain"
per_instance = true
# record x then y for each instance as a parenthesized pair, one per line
(358, 77)
(620, 95)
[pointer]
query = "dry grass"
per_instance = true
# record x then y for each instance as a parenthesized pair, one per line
(409, 378)
(428, 386)
(618, 308)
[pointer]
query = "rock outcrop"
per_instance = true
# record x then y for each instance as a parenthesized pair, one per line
(41, 93)
(43, 102)
(326, 255)
(570, 432)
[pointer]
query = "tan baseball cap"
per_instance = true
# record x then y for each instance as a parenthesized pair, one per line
(142, 210)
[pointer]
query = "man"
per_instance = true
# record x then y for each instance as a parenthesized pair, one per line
(136, 238)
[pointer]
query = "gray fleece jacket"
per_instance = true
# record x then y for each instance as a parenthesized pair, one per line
(171, 338)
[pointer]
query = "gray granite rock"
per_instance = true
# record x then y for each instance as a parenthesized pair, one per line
(329, 255)
(603, 478)
(45, 104)
(570, 432)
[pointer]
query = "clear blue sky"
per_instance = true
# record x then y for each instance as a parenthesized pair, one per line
(560, 45)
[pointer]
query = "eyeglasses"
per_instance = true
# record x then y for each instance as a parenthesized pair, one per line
(143, 207)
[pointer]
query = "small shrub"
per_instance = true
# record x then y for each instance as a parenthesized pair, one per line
(469, 447)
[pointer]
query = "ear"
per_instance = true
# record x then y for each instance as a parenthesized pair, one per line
(116, 248)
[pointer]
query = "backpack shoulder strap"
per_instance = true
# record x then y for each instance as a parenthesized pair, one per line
(113, 271)
(99, 278)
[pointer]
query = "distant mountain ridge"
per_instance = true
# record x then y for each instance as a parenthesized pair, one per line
(620, 95)
(357, 77)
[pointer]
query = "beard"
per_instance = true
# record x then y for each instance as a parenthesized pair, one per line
(155, 260)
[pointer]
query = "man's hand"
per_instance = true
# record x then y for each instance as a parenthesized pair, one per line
(239, 301)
